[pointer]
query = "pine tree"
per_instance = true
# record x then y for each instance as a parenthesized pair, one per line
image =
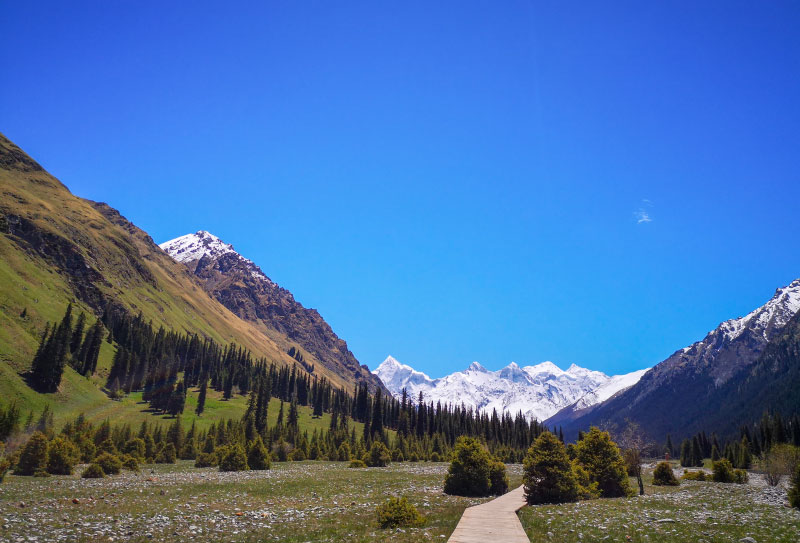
(77, 334)
(547, 472)
(601, 458)
(201, 398)
(686, 454)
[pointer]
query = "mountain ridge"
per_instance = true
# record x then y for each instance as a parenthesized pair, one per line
(538, 391)
(241, 286)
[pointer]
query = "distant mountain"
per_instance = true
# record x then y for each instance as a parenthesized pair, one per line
(695, 388)
(242, 287)
(537, 391)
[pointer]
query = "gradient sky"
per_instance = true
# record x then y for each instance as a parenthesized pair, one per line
(445, 182)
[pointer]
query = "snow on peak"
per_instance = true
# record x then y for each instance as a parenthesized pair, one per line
(537, 391)
(193, 247)
(775, 314)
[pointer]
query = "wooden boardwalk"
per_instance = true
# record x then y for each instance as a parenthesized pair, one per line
(492, 522)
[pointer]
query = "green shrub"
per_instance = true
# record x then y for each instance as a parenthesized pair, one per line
(398, 512)
(93, 471)
(167, 454)
(205, 460)
(5, 465)
(281, 450)
(344, 453)
(663, 475)
(547, 474)
(498, 478)
(468, 474)
(107, 446)
(130, 463)
(135, 447)
(603, 461)
(33, 457)
(722, 471)
(435, 457)
(62, 455)
(413, 457)
(189, 450)
(297, 455)
(693, 475)
(378, 456)
(356, 463)
(232, 458)
(397, 455)
(740, 476)
(258, 455)
(41, 473)
(587, 489)
(794, 489)
(110, 463)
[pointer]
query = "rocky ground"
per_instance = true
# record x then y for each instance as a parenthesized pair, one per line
(303, 501)
(697, 512)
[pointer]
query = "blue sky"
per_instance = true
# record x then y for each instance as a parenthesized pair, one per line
(445, 182)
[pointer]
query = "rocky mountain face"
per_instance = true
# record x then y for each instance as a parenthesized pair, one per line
(242, 287)
(537, 391)
(682, 394)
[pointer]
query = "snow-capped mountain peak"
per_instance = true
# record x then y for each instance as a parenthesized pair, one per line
(193, 247)
(537, 391)
(772, 315)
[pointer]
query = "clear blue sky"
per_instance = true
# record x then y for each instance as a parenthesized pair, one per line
(445, 182)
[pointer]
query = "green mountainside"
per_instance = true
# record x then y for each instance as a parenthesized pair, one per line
(56, 248)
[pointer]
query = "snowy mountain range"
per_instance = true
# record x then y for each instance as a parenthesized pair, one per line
(694, 387)
(537, 391)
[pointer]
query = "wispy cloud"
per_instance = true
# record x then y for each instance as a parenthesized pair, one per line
(642, 215)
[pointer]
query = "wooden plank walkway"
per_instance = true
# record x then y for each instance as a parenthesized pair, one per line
(492, 522)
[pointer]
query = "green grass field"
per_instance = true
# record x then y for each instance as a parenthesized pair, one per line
(293, 502)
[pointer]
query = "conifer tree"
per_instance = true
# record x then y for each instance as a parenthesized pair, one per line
(547, 472)
(201, 398)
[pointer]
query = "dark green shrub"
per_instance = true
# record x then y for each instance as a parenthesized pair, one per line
(130, 463)
(5, 465)
(397, 455)
(281, 450)
(297, 455)
(205, 460)
(356, 463)
(398, 512)
(167, 454)
(603, 461)
(794, 489)
(378, 456)
(189, 450)
(740, 476)
(93, 471)
(547, 472)
(33, 457)
(498, 478)
(135, 447)
(233, 458)
(110, 463)
(693, 475)
(258, 455)
(663, 475)
(413, 457)
(62, 455)
(722, 471)
(344, 453)
(468, 474)
(435, 457)
(41, 473)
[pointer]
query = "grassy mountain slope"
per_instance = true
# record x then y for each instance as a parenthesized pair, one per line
(56, 248)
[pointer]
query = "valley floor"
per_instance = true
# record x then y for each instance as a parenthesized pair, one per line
(327, 501)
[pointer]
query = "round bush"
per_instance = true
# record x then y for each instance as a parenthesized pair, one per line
(110, 463)
(205, 460)
(663, 475)
(167, 454)
(547, 472)
(398, 512)
(378, 456)
(130, 463)
(722, 471)
(62, 455)
(740, 476)
(258, 455)
(356, 463)
(498, 478)
(34, 455)
(93, 471)
(344, 453)
(233, 459)
(601, 458)
(468, 474)
(693, 475)
(297, 455)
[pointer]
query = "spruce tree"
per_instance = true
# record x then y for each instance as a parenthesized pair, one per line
(547, 472)
(201, 398)
(601, 458)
